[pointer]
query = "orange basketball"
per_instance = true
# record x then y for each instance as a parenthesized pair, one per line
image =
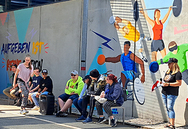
(101, 59)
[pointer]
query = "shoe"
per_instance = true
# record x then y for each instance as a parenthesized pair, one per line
(63, 114)
(154, 85)
(144, 59)
(21, 111)
(113, 122)
(148, 38)
(101, 120)
(35, 108)
(24, 111)
(81, 118)
(187, 100)
(58, 113)
(87, 120)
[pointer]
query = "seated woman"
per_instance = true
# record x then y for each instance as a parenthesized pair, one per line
(78, 101)
(113, 94)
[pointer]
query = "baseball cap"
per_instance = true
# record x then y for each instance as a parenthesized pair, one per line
(74, 72)
(15, 65)
(44, 71)
(172, 60)
(86, 77)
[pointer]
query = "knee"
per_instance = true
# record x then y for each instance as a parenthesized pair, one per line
(170, 108)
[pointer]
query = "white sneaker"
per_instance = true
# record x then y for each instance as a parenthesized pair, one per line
(21, 111)
(35, 108)
(24, 111)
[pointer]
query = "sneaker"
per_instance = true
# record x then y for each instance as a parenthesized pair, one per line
(87, 120)
(148, 39)
(154, 85)
(63, 114)
(35, 108)
(21, 111)
(101, 120)
(144, 59)
(24, 111)
(113, 122)
(187, 100)
(81, 118)
(58, 113)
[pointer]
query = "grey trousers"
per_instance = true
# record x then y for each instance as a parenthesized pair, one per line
(24, 93)
(107, 107)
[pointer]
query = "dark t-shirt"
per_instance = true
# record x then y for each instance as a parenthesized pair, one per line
(170, 90)
(13, 78)
(46, 83)
(36, 81)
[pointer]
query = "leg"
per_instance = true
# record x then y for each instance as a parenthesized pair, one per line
(7, 92)
(153, 56)
(92, 105)
(99, 109)
(85, 102)
(62, 99)
(107, 108)
(123, 79)
(139, 48)
(33, 96)
(12, 93)
(24, 94)
(75, 102)
(170, 105)
(163, 52)
(69, 102)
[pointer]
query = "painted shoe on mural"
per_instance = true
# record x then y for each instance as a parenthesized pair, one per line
(144, 59)
(154, 85)
(187, 100)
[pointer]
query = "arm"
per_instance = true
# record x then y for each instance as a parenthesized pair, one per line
(166, 16)
(79, 88)
(15, 77)
(113, 59)
(31, 87)
(165, 59)
(148, 19)
(173, 84)
(36, 88)
(115, 95)
(139, 61)
(13, 87)
(83, 91)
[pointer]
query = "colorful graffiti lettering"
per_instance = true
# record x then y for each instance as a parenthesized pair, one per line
(15, 48)
(36, 64)
(37, 47)
(10, 62)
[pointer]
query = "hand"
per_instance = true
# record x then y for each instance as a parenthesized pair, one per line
(37, 95)
(142, 11)
(142, 78)
(72, 93)
(165, 84)
(66, 87)
(118, 20)
(170, 8)
(102, 95)
(30, 91)
(20, 90)
(78, 98)
(11, 89)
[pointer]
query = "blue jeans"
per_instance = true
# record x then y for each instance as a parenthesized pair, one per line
(169, 101)
(78, 104)
(33, 96)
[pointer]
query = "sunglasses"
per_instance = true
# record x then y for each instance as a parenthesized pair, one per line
(173, 48)
(73, 75)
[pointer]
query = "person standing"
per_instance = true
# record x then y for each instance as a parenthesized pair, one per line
(170, 89)
(157, 27)
(24, 72)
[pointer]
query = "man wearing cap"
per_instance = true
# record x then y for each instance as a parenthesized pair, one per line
(178, 52)
(73, 89)
(97, 86)
(10, 91)
(46, 87)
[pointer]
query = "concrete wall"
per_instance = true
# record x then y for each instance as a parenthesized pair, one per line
(54, 33)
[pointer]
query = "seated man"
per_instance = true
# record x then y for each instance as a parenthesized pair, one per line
(73, 89)
(97, 86)
(45, 88)
(35, 84)
(10, 91)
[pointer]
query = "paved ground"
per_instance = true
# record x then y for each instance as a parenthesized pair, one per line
(11, 119)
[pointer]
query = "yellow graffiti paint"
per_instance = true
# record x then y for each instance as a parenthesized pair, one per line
(37, 47)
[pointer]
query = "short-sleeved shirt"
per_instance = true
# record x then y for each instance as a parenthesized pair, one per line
(36, 81)
(46, 83)
(170, 90)
(24, 73)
